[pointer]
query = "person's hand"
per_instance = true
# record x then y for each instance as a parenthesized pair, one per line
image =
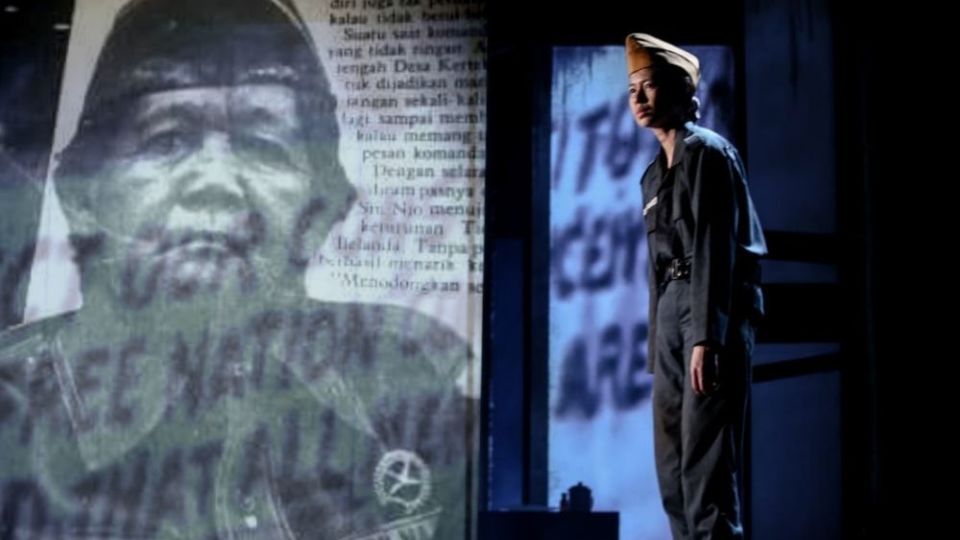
(704, 369)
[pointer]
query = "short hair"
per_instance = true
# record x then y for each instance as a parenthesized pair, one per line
(679, 87)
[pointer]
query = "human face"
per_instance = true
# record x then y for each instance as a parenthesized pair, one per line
(204, 185)
(650, 105)
(642, 94)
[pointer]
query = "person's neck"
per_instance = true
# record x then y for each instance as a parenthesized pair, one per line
(668, 141)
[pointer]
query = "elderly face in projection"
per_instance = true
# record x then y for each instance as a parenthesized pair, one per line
(206, 156)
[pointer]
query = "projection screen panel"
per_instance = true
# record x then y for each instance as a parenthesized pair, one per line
(254, 304)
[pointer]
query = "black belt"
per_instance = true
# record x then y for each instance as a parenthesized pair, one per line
(675, 269)
(748, 270)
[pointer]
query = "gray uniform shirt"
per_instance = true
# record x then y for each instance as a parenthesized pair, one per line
(700, 209)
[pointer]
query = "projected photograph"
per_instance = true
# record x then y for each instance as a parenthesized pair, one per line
(600, 427)
(254, 300)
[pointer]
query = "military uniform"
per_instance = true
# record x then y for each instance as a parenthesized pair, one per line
(332, 421)
(704, 239)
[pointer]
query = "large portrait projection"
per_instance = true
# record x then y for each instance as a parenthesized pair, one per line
(254, 306)
(601, 429)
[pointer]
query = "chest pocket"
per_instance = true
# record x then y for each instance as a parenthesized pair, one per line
(658, 210)
(668, 217)
(680, 215)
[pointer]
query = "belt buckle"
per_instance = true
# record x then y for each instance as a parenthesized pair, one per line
(677, 268)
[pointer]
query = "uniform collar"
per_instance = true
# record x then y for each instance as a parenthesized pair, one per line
(680, 145)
